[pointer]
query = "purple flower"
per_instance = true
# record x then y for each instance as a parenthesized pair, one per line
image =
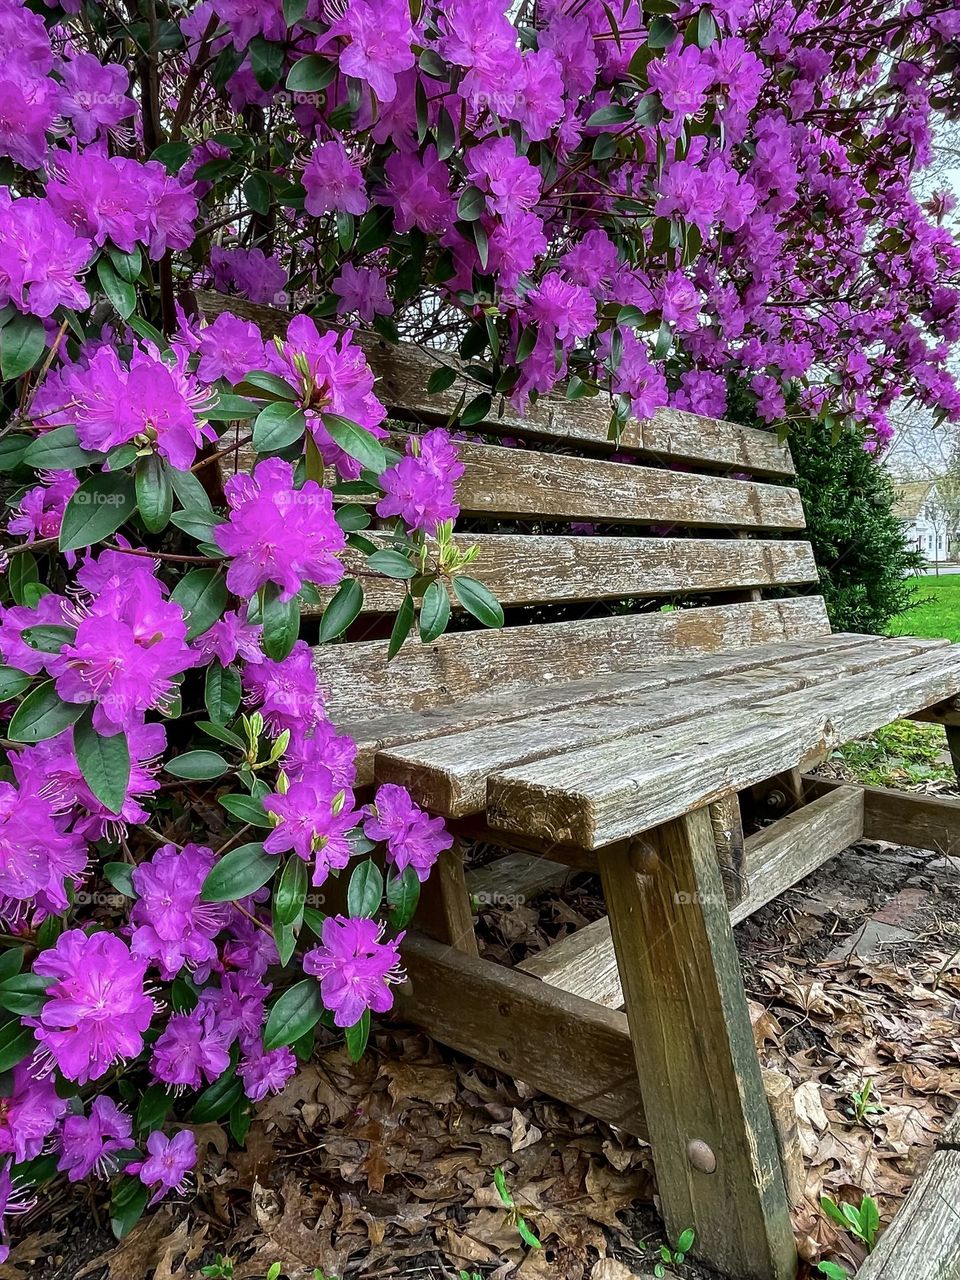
(101, 197)
(28, 107)
(237, 1006)
(190, 1049)
(682, 77)
(94, 95)
(96, 1010)
(322, 756)
(363, 290)
(171, 926)
(14, 1198)
(37, 855)
(313, 823)
(420, 488)
(380, 36)
(171, 210)
(286, 691)
(229, 348)
(264, 1073)
(511, 180)
(90, 1143)
(679, 302)
(277, 533)
(29, 1113)
(39, 512)
(228, 639)
(169, 1162)
(355, 968)
(418, 191)
(40, 258)
(333, 182)
(250, 272)
(413, 838)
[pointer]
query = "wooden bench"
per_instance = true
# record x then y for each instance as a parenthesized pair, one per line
(627, 739)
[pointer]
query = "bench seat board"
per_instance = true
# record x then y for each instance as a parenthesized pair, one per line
(359, 683)
(618, 789)
(403, 371)
(539, 569)
(449, 774)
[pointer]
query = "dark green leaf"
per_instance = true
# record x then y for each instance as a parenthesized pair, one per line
(231, 408)
(154, 1105)
(478, 409)
(279, 425)
(434, 612)
(197, 765)
(120, 875)
(58, 450)
(127, 265)
(403, 894)
(290, 892)
(239, 873)
(297, 1011)
(202, 595)
(154, 492)
(16, 1043)
(266, 61)
(265, 381)
(172, 155)
(392, 564)
(356, 441)
(342, 610)
(12, 683)
(311, 74)
(441, 380)
(47, 637)
(611, 115)
(98, 508)
(127, 1205)
(281, 625)
(247, 808)
(365, 891)
(221, 734)
(402, 626)
(190, 492)
(121, 293)
(222, 692)
(479, 601)
(357, 1036)
(22, 343)
(21, 575)
(471, 204)
(661, 33)
(14, 448)
(11, 962)
(196, 521)
(104, 763)
(256, 191)
(42, 715)
(218, 1098)
(24, 993)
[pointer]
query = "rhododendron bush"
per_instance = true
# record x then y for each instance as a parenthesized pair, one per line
(635, 203)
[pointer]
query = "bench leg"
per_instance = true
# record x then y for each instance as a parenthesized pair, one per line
(953, 742)
(444, 909)
(713, 1142)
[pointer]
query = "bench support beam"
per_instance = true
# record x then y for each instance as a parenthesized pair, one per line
(714, 1148)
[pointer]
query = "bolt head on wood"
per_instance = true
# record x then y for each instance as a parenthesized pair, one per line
(701, 1156)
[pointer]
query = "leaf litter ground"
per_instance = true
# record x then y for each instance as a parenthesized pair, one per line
(385, 1168)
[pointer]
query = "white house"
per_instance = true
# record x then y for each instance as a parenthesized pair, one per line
(925, 517)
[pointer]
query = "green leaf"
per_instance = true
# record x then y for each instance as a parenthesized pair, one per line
(239, 873)
(434, 612)
(479, 601)
(202, 595)
(104, 762)
(221, 734)
(47, 637)
(42, 715)
(471, 204)
(356, 441)
(281, 625)
(121, 293)
(247, 808)
(280, 424)
(154, 492)
(172, 155)
(127, 1205)
(365, 891)
(661, 33)
(403, 894)
(146, 330)
(342, 610)
(14, 448)
(297, 1011)
(222, 692)
(218, 1098)
(478, 409)
(154, 1105)
(527, 1236)
(16, 1043)
(22, 343)
(685, 1240)
(291, 890)
(127, 265)
(11, 962)
(392, 564)
(357, 1036)
(24, 993)
(611, 115)
(266, 61)
(265, 381)
(256, 192)
(402, 626)
(704, 34)
(232, 409)
(311, 74)
(58, 450)
(197, 765)
(197, 522)
(441, 379)
(98, 508)
(352, 517)
(12, 683)
(120, 876)
(190, 492)
(22, 574)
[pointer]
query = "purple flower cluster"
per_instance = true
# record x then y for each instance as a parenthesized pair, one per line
(420, 487)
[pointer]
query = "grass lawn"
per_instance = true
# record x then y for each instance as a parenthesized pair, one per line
(938, 614)
(910, 752)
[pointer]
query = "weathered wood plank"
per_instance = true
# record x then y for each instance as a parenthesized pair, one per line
(448, 774)
(610, 792)
(713, 1143)
(539, 569)
(783, 1113)
(361, 684)
(775, 858)
(403, 371)
(923, 1240)
(444, 911)
(402, 728)
(514, 879)
(569, 1048)
(902, 817)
